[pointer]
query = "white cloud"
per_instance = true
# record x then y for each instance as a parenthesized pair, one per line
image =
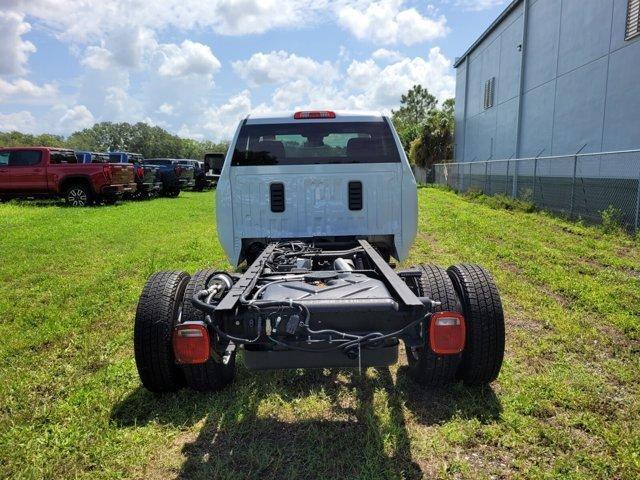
(280, 67)
(14, 51)
(98, 58)
(60, 119)
(384, 89)
(25, 91)
(242, 17)
(384, 55)
(81, 20)
(166, 109)
(128, 45)
(366, 84)
(74, 118)
(361, 74)
(110, 96)
(415, 28)
(123, 47)
(140, 49)
(386, 22)
(117, 101)
(20, 121)
(84, 21)
(291, 94)
(223, 120)
(479, 4)
(189, 58)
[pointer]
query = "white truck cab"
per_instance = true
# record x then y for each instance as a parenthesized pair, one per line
(316, 175)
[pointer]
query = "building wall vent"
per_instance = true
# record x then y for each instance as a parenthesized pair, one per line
(490, 91)
(633, 19)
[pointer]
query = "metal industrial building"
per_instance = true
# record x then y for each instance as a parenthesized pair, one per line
(551, 77)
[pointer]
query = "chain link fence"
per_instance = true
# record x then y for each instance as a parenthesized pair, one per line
(578, 186)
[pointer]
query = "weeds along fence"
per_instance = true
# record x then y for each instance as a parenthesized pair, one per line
(586, 186)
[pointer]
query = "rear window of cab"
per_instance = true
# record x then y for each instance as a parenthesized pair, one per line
(315, 143)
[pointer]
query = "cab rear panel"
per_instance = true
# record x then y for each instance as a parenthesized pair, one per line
(360, 185)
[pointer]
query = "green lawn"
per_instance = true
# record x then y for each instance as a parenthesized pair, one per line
(566, 404)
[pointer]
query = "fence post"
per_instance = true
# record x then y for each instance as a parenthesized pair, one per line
(638, 205)
(573, 185)
(535, 173)
(506, 180)
(490, 175)
(514, 189)
(486, 166)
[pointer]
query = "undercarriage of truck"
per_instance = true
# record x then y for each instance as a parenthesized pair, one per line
(318, 304)
(313, 305)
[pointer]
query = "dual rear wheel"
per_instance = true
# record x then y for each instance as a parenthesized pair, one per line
(470, 290)
(165, 302)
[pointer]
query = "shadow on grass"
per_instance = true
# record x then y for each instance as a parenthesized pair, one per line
(365, 438)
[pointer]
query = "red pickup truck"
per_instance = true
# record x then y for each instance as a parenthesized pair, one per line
(40, 171)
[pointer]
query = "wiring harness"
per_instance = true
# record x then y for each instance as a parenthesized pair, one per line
(349, 343)
(270, 313)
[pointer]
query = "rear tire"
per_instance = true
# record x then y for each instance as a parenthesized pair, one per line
(425, 366)
(78, 195)
(173, 193)
(482, 309)
(156, 316)
(213, 374)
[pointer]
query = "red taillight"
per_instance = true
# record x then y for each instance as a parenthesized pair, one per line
(314, 114)
(106, 171)
(447, 333)
(178, 170)
(140, 172)
(191, 343)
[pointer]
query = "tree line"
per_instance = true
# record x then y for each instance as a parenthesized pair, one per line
(424, 128)
(150, 141)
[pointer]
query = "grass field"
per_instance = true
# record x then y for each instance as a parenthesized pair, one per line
(566, 404)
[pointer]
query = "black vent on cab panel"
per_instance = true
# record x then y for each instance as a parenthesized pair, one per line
(355, 195)
(277, 197)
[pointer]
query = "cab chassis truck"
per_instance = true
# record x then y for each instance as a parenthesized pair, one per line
(314, 204)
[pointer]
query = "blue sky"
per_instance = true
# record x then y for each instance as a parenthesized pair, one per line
(195, 67)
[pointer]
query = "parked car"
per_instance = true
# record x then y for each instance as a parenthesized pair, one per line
(213, 163)
(148, 179)
(316, 203)
(175, 177)
(91, 157)
(54, 172)
(199, 175)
